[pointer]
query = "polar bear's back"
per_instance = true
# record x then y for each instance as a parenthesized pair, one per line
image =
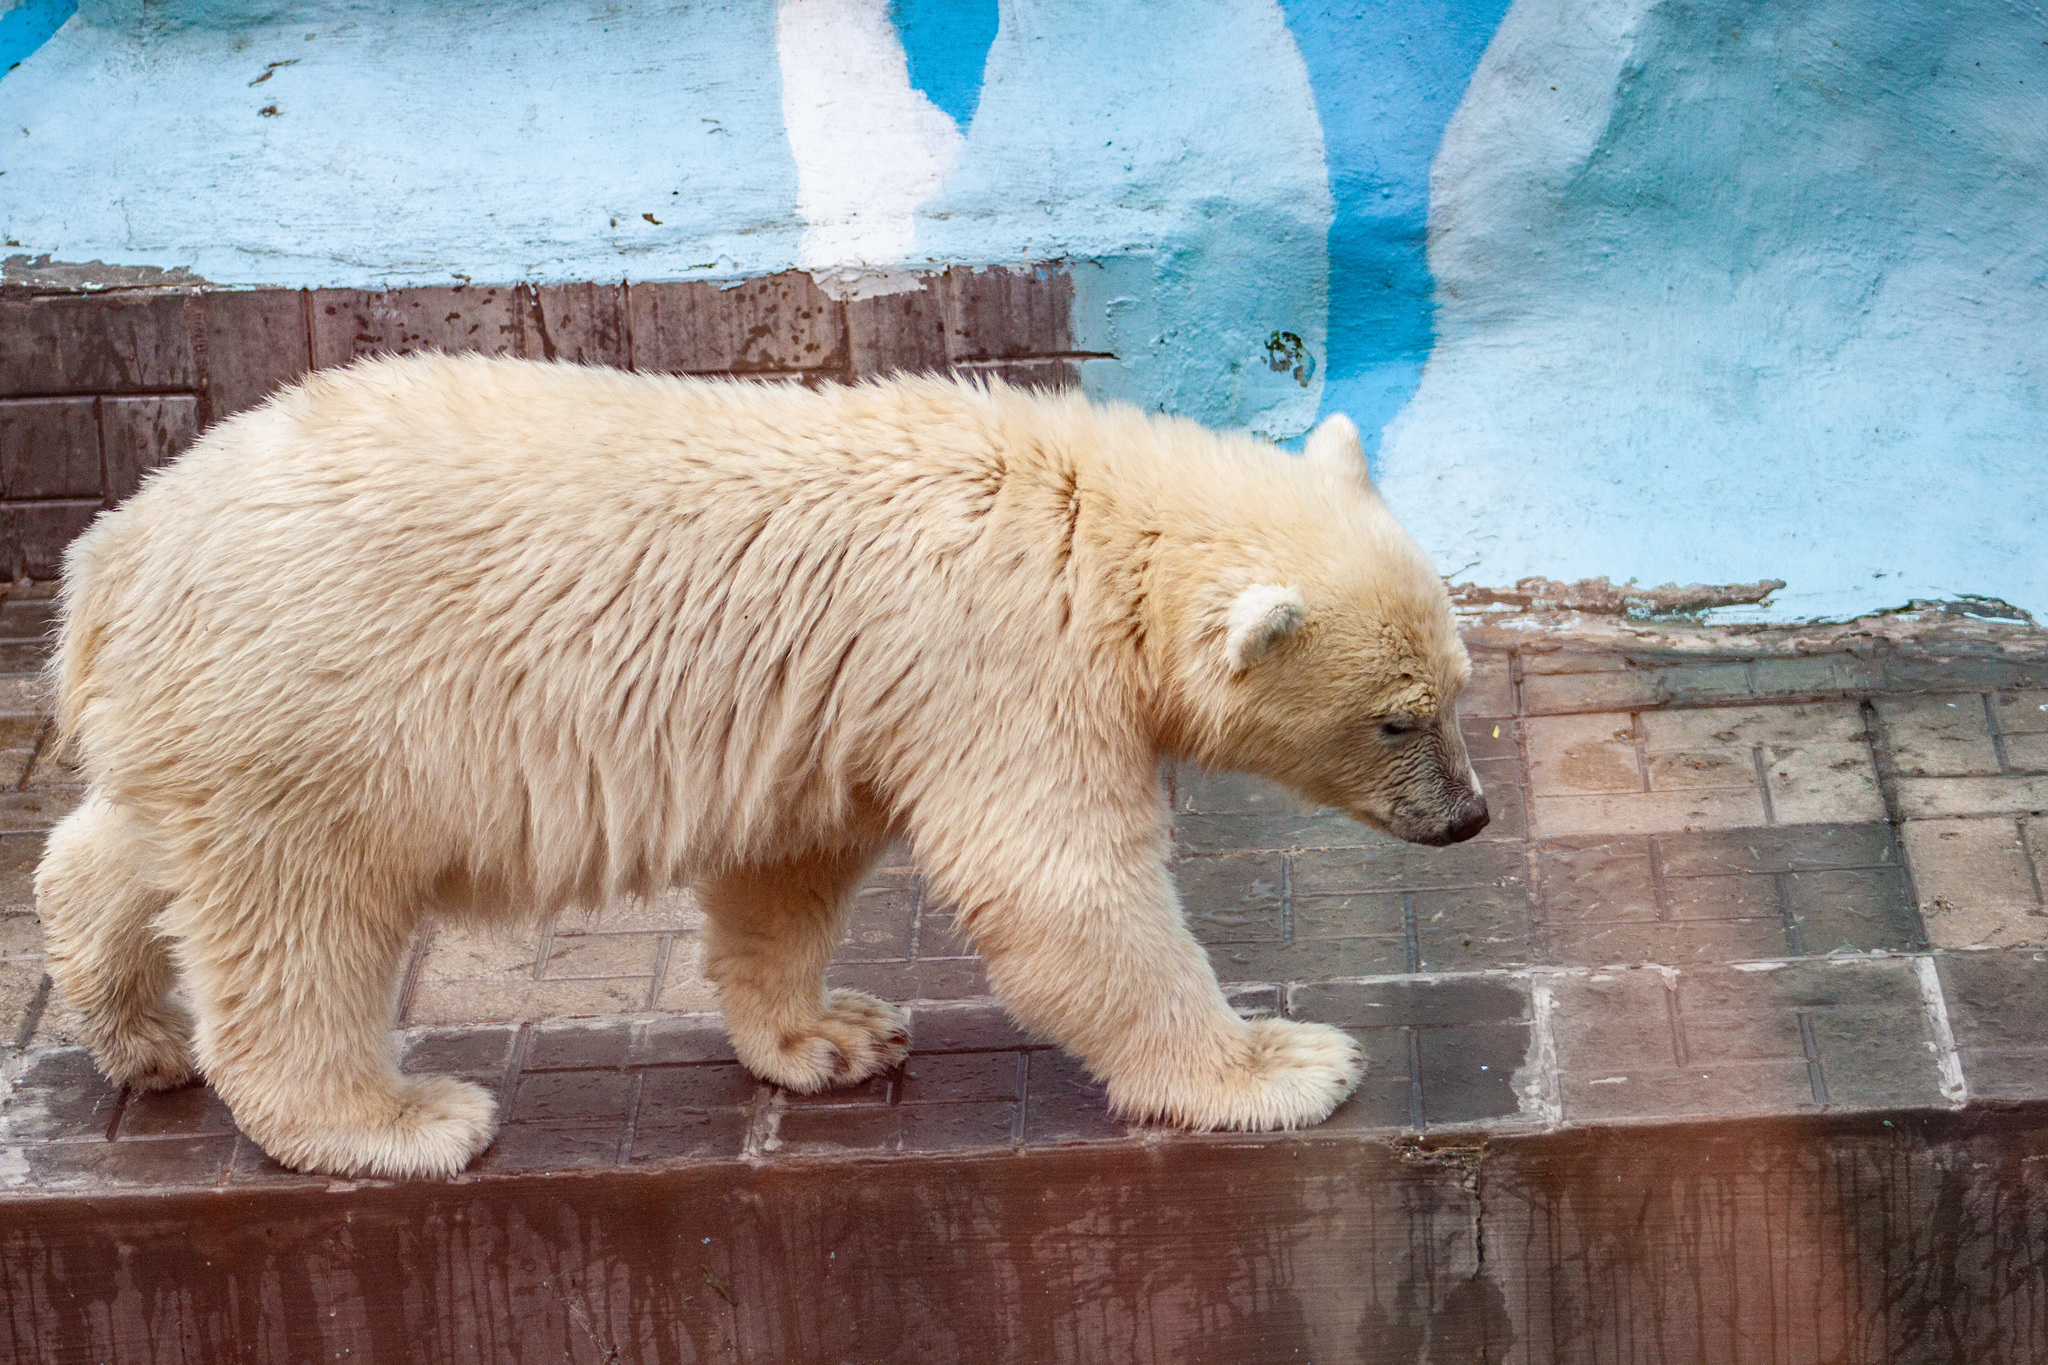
(426, 598)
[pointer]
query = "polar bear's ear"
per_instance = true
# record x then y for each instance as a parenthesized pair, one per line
(1335, 446)
(1260, 617)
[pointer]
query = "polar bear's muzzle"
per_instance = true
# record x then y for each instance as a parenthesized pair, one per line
(1470, 817)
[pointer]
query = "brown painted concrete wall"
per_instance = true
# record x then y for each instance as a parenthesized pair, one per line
(96, 389)
(1918, 1237)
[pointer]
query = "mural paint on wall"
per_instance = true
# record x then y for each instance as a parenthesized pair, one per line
(26, 26)
(1731, 291)
(330, 144)
(869, 148)
(1704, 293)
(947, 42)
(655, 139)
(1387, 76)
(1176, 157)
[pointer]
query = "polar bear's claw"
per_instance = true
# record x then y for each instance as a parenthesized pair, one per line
(857, 1036)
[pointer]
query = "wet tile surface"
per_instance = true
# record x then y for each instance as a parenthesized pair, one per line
(1775, 885)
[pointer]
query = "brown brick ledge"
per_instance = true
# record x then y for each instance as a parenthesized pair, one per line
(98, 388)
(1907, 1237)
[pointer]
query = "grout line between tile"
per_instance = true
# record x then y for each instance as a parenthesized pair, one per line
(521, 1042)
(32, 1017)
(1947, 1059)
(1814, 1075)
(2028, 851)
(1390, 890)
(1408, 931)
(306, 315)
(1875, 735)
(1287, 899)
(1532, 863)
(630, 1133)
(1754, 872)
(1997, 733)
(1414, 1036)
(661, 955)
(99, 426)
(1658, 891)
(35, 753)
(916, 943)
(1795, 940)
(120, 1108)
(409, 980)
(1763, 784)
(626, 323)
(765, 1127)
(1023, 1093)
(1680, 1053)
(1543, 1093)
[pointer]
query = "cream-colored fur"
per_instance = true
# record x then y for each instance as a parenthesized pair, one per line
(481, 639)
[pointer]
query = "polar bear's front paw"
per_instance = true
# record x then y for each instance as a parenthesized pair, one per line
(1292, 1075)
(151, 1053)
(856, 1037)
(1300, 1074)
(440, 1124)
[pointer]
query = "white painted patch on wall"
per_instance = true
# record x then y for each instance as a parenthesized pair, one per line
(869, 147)
(1173, 152)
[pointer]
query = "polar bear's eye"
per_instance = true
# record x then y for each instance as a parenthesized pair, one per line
(1396, 726)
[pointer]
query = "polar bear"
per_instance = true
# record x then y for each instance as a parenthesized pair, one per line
(480, 640)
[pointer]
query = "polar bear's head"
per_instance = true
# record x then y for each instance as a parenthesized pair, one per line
(1318, 649)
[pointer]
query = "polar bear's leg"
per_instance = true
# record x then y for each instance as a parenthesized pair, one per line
(1086, 944)
(771, 933)
(97, 907)
(1123, 985)
(294, 986)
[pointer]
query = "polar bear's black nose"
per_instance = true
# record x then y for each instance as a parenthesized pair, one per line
(1471, 818)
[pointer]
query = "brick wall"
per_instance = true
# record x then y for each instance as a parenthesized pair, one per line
(97, 389)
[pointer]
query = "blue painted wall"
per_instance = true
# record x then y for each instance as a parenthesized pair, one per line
(1387, 76)
(1699, 293)
(1733, 290)
(945, 43)
(1177, 154)
(27, 26)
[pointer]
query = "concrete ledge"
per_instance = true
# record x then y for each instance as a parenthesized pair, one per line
(1766, 1092)
(1905, 1237)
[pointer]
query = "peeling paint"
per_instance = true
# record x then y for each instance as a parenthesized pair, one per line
(44, 274)
(1602, 597)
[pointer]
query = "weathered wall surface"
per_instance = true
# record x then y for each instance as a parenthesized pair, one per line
(1734, 290)
(1916, 1240)
(1677, 292)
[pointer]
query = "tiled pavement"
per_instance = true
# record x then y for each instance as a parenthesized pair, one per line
(1734, 874)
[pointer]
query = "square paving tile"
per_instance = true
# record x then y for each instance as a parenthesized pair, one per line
(1693, 898)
